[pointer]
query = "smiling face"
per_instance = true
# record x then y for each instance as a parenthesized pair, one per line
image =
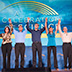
(20, 28)
(50, 29)
(6, 30)
(65, 29)
(36, 26)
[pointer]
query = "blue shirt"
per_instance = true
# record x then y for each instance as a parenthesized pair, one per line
(36, 35)
(20, 36)
(51, 39)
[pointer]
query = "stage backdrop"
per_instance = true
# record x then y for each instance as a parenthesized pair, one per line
(37, 10)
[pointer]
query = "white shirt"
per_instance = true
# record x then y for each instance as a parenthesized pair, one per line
(66, 37)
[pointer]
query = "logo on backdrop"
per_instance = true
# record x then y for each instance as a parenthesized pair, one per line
(37, 11)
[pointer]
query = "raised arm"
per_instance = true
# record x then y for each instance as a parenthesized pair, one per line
(46, 26)
(11, 26)
(0, 35)
(59, 27)
(12, 29)
(25, 31)
(29, 29)
(41, 30)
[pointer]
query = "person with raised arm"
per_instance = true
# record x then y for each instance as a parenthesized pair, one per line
(6, 46)
(20, 44)
(51, 46)
(67, 50)
(36, 45)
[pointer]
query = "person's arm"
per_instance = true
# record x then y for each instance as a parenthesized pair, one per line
(11, 26)
(46, 26)
(12, 29)
(25, 31)
(41, 30)
(30, 30)
(59, 27)
(71, 35)
(15, 31)
(0, 35)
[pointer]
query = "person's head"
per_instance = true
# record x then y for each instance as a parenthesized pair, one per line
(50, 30)
(36, 26)
(20, 27)
(7, 29)
(65, 29)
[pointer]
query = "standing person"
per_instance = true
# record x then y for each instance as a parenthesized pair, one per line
(6, 46)
(51, 46)
(36, 45)
(66, 38)
(19, 46)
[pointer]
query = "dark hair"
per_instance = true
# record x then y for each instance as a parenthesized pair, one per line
(37, 23)
(49, 31)
(8, 29)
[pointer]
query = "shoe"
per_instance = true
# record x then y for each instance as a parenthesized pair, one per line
(70, 69)
(49, 69)
(3, 70)
(16, 67)
(57, 69)
(21, 66)
(65, 69)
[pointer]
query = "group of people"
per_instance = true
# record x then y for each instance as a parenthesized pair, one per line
(36, 45)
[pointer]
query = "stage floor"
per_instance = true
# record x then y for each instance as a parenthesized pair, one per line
(28, 58)
(43, 69)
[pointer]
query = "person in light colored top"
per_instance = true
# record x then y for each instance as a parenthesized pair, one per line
(19, 36)
(66, 38)
(6, 46)
(51, 46)
(19, 46)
